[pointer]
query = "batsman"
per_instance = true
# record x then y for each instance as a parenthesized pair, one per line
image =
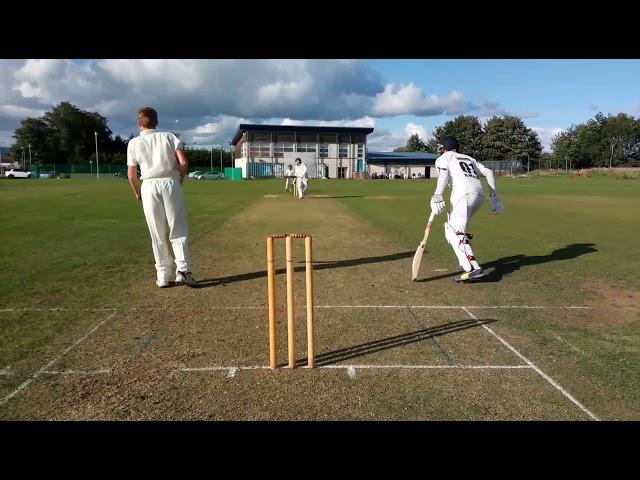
(467, 194)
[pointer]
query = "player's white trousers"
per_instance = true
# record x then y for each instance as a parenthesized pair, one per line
(302, 186)
(164, 209)
(463, 207)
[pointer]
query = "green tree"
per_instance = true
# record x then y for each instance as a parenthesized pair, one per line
(414, 144)
(66, 134)
(467, 129)
(508, 138)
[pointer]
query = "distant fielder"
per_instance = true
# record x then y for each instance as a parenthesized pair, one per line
(461, 172)
(301, 177)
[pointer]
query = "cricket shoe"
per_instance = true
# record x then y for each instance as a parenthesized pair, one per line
(186, 278)
(162, 283)
(469, 276)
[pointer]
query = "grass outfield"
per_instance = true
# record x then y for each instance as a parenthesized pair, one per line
(118, 347)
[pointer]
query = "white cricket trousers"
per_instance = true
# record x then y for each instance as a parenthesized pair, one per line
(463, 207)
(302, 186)
(166, 214)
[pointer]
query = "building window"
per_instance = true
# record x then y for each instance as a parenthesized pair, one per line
(324, 150)
(342, 151)
(259, 149)
(306, 147)
(360, 150)
(328, 138)
(259, 137)
(283, 138)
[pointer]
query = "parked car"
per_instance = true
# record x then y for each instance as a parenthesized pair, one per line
(17, 173)
(64, 175)
(46, 174)
(197, 173)
(210, 176)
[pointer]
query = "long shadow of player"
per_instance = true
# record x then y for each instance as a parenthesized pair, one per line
(506, 265)
(317, 265)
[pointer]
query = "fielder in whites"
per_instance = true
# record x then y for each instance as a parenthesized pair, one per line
(462, 173)
(300, 171)
(163, 165)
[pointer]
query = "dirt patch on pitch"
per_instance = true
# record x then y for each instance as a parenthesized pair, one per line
(612, 306)
(379, 197)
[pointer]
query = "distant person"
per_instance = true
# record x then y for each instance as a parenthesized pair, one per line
(289, 174)
(301, 177)
(461, 172)
(163, 165)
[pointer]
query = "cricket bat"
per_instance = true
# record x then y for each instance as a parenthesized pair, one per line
(417, 258)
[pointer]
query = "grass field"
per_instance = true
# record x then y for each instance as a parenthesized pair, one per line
(552, 332)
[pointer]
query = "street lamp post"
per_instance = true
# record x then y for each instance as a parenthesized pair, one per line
(97, 161)
(212, 159)
(221, 170)
(29, 155)
(91, 167)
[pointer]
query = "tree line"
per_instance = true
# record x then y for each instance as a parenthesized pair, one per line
(500, 138)
(603, 141)
(67, 135)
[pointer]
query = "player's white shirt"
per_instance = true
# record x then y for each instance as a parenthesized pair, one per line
(289, 173)
(300, 170)
(155, 152)
(463, 170)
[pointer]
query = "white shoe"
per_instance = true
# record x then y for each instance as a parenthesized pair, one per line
(162, 283)
(186, 278)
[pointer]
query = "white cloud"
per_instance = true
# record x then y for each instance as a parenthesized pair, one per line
(546, 135)
(194, 90)
(412, 128)
(18, 112)
(218, 131)
(409, 99)
(385, 140)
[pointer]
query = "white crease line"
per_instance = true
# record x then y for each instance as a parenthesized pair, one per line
(218, 368)
(258, 307)
(33, 376)
(76, 372)
(528, 362)
(352, 368)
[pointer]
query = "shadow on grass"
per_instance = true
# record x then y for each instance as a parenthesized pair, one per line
(507, 265)
(374, 346)
(318, 265)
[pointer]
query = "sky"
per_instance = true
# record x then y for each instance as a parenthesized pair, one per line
(206, 100)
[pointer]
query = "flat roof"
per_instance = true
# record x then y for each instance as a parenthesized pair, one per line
(425, 158)
(296, 128)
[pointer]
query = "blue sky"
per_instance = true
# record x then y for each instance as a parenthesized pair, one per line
(556, 93)
(396, 97)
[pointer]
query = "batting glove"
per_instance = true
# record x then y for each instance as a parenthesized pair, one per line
(437, 204)
(495, 204)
